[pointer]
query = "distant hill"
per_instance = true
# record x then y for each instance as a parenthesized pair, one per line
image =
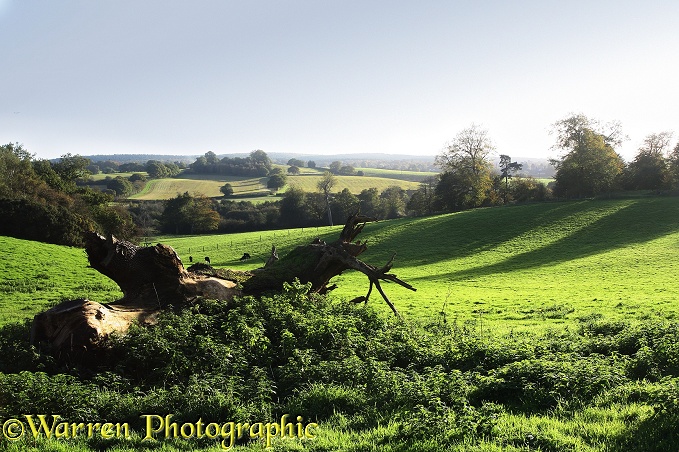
(143, 158)
(536, 167)
(367, 160)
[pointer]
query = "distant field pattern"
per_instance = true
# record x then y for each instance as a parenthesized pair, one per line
(254, 188)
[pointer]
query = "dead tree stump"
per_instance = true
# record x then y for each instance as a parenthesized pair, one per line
(153, 279)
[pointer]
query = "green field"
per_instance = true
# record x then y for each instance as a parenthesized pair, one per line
(103, 176)
(414, 176)
(355, 184)
(254, 189)
(517, 267)
(37, 275)
(548, 327)
(521, 267)
(202, 184)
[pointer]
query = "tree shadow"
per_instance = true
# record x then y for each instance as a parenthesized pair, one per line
(625, 223)
(463, 234)
(658, 433)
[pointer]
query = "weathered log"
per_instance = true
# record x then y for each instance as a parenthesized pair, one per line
(154, 278)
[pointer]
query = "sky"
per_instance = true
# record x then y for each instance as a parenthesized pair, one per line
(327, 77)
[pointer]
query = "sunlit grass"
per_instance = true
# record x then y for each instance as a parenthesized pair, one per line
(523, 267)
(355, 184)
(36, 276)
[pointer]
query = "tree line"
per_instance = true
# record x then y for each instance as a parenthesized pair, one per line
(54, 202)
(46, 200)
(257, 164)
(589, 166)
(41, 200)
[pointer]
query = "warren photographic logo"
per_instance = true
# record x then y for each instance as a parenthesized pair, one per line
(158, 427)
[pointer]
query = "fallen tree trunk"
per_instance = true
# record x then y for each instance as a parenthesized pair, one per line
(153, 279)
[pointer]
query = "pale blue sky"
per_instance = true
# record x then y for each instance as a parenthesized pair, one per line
(314, 76)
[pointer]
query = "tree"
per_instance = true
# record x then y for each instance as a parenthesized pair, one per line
(570, 132)
(156, 169)
(44, 170)
(71, 168)
(335, 167)
(325, 186)
(17, 176)
(153, 279)
(260, 159)
(370, 203)
(211, 158)
(226, 189)
(422, 201)
(466, 159)
(294, 170)
(393, 202)
(276, 182)
(137, 177)
(525, 189)
(591, 166)
(121, 186)
(453, 192)
(202, 216)
(650, 169)
(347, 170)
(186, 214)
(673, 166)
(311, 164)
(115, 220)
(296, 162)
(507, 168)
(293, 209)
(343, 205)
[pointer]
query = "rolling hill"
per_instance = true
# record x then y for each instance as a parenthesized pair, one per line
(517, 267)
(254, 188)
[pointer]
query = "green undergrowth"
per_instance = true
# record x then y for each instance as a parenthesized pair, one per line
(369, 381)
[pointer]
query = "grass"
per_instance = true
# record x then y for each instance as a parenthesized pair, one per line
(355, 184)
(36, 276)
(414, 176)
(562, 315)
(522, 267)
(509, 268)
(103, 176)
(203, 184)
(254, 188)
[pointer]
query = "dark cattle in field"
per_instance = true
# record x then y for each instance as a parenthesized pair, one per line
(207, 259)
(246, 256)
(190, 258)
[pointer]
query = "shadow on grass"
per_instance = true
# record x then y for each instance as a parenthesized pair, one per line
(429, 240)
(634, 222)
(658, 433)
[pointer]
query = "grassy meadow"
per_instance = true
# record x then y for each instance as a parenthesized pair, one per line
(520, 267)
(38, 275)
(254, 188)
(100, 177)
(201, 184)
(355, 184)
(548, 327)
(414, 176)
